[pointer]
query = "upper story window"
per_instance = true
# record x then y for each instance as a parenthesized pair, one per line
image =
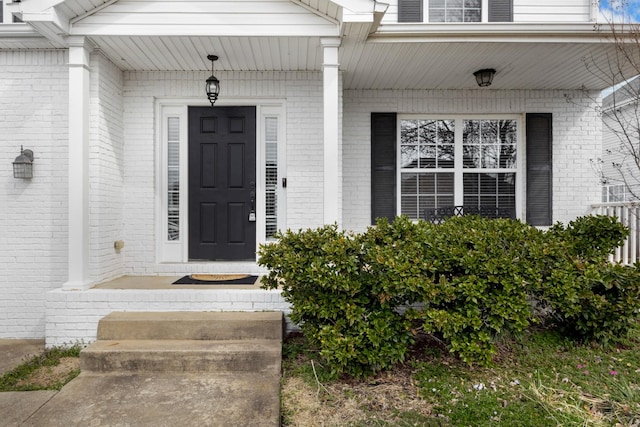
(455, 10)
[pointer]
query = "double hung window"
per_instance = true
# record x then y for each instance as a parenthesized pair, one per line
(455, 10)
(457, 161)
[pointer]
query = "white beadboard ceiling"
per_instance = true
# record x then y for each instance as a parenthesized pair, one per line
(367, 65)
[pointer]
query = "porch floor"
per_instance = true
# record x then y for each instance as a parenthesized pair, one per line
(164, 282)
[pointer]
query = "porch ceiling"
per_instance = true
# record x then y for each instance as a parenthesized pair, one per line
(371, 65)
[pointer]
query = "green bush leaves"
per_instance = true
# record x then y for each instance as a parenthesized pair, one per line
(361, 297)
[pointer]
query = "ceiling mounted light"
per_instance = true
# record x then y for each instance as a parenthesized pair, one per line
(484, 77)
(213, 84)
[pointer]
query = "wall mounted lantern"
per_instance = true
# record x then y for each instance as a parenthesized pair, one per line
(213, 84)
(23, 164)
(484, 77)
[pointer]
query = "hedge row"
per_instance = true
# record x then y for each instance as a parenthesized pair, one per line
(360, 297)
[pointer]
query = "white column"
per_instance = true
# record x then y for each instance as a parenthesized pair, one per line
(79, 74)
(332, 133)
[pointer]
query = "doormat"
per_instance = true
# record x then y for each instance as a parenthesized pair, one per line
(217, 279)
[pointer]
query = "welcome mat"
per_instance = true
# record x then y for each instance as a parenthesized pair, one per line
(217, 279)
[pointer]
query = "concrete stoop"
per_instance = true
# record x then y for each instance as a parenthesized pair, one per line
(176, 369)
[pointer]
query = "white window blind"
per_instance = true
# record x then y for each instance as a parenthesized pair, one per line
(173, 174)
(271, 176)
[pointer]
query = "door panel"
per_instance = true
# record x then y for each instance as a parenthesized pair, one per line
(222, 168)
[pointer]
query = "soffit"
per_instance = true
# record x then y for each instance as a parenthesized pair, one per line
(450, 65)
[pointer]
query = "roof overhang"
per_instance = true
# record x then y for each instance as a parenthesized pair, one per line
(372, 55)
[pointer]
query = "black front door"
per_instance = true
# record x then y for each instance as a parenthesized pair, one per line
(222, 183)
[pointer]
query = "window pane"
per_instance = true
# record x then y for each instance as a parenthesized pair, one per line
(436, 15)
(422, 191)
(421, 145)
(454, 4)
(471, 4)
(472, 15)
(489, 144)
(409, 156)
(454, 15)
(486, 190)
(445, 156)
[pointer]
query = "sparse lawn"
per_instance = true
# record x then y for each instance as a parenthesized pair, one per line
(537, 379)
(50, 370)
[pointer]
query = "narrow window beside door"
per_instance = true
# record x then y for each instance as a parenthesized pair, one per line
(271, 176)
(173, 174)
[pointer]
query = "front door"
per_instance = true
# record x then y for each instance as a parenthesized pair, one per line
(222, 183)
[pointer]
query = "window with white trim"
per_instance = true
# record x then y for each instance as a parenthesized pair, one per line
(455, 10)
(614, 193)
(457, 161)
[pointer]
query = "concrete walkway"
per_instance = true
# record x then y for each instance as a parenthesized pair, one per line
(133, 397)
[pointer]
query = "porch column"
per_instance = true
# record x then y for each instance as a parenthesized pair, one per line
(332, 134)
(79, 75)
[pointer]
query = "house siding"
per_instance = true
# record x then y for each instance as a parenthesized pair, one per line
(302, 94)
(527, 11)
(576, 140)
(33, 241)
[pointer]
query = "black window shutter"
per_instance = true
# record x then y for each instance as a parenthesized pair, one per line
(500, 10)
(383, 166)
(539, 179)
(1, 10)
(409, 10)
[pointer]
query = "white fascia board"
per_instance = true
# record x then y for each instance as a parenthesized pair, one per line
(50, 23)
(33, 6)
(356, 6)
(364, 11)
(511, 32)
(51, 16)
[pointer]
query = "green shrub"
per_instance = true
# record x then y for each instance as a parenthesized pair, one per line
(485, 270)
(467, 280)
(336, 299)
(592, 236)
(590, 297)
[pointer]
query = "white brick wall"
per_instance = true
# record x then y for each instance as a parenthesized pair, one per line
(106, 169)
(73, 316)
(33, 219)
(576, 139)
(302, 93)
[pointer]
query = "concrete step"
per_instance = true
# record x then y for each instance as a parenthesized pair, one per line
(260, 356)
(191, 326)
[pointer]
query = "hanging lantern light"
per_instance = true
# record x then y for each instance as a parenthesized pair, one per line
(213, 84)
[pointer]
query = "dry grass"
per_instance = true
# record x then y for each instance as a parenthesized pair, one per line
(49, 376)
(381, 399)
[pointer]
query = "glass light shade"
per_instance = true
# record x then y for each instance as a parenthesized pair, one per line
(484, 77)
(213, 89)
(23, 165)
